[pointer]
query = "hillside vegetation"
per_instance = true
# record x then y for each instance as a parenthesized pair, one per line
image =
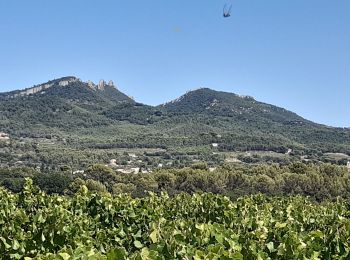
(86, 172)
(320, 183)
(68, 116)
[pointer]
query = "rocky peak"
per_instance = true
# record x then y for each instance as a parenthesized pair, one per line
(101, 85)
(111, 83)
(66, 81)
(91, 84)
(61, 82)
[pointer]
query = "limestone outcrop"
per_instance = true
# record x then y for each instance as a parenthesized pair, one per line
(36, 89)
(101, 85)
(91, 84)
(111, 83)
(63, 82)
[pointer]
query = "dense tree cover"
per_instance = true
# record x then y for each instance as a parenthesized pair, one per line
(52, 151)
(76, 117)
(319, 182)
(87, 225)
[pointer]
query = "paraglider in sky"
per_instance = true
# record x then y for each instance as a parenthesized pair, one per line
(227, 11)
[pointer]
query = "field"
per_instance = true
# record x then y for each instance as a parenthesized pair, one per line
(35, 225)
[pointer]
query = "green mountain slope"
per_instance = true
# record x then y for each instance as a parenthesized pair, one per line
(95, 121)
(217, 103)
(245, 123)
(63, 103)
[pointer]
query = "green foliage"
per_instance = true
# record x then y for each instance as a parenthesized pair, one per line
(100, 173)
(74, 126)
(95, 186)
(13, 179)
(120, 188)
(54, 182)
(200, 166)
(35, 225)
(319, 182)
(75, 186)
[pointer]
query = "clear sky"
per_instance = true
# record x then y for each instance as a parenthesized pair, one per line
(290, 53)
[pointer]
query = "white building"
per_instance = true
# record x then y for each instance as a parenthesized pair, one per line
(4, 136)
(289, 151)
(129, 170)
(78, 172)
(132, 155)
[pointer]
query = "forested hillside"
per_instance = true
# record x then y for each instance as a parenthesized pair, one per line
(86, 171)
(49, 122)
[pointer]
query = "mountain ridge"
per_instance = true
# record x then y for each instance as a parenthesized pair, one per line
(110, 88)
(62, 82)
(101, 116)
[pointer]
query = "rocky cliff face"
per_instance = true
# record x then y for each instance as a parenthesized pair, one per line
(110, 83)
(91, 84)
(62, 82)
(41, 88)
(102, 84)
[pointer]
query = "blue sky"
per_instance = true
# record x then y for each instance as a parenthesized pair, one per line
(291, 53)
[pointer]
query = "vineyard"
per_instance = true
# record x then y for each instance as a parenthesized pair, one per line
(34, 225)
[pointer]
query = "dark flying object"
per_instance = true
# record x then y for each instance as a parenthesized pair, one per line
(226, 11)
